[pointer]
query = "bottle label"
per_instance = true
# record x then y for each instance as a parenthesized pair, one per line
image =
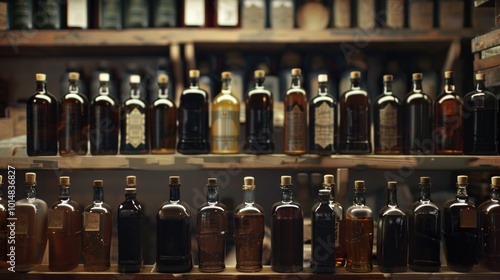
(227, 12)
(253, 14)
(135, 128)
(22, 13)
(194, 13)
(395, 13)
(166, 13)
(342, 13)
(468, 218)
(323, 126)
(56, 219)
(77, 14)
(22, 223)
(92, 221)
(225, 129)
(48, 13)
(388, 127)
(282, 14)
(296, 128)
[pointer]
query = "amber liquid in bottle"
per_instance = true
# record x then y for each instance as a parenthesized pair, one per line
(340, 249)
(4, 247)
(322, 120)
(41, 121)
(64, 230)
(295, 123)
(489, 228)
(387, 116)
(164, 120)
(323, 235)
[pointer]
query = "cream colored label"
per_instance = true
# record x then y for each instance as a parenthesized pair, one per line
(92, 221)
(227, 12)
(296, 128)
(342, 13)
(323, 126)
(77, 13)
(366, 14)
(254, 14)
(395, 13)
(22, 223)
(388, 127)
(56, 219)
(136, 128)
(282, 16)
(421, 15)
(194, 12)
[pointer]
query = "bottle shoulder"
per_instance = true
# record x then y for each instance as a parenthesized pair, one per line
(102, 208)
(74, 97)
(448, 98)
(295, 91)
(259, 91)
(194, 92)
(413, 98)
(208, 207)
(225, 99)
(384, 100)
(490, 206)
(359, 211)
(68, 205)
(251, 209)
(42, 98)
(354, 93)
(424, 206)
(391, 211)
(328, 99)
(163, 102)
(458, 203)
(29, 202)
(134, 102)
(104, 100)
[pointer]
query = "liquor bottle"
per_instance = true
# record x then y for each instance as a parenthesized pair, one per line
(21, 14)
(424, 231)
(359, 232)
(97, 229)
(392, 235)
(342, 13)
(322, 120)
(64, 230)
(489, 225)
(41, 121)
(417, 120)
(77, 14)
(48, 14)
(193, 118)
(340, 249)
(129, 217)
(396, 10)
(173, 232)
(355, 122)
(259, 118)
(31, 228)
(211, 231)
(287, 231)
(323, 235)
(253, 14)
(195, 13)
(282, 14)
(73, 120)
(164, 13)
(4, 214)
(135, 121)
(448, 120)
(460, 229)
(225, 127)
(248, 230)
(163, 120)
(110, 14)
(104, 120)
(227, 13)
(365, 16)
(480, 120)
(295, 125)
(387, 121)
(136, 14)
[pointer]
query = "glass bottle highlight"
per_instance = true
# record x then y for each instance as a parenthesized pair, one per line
(163, 120)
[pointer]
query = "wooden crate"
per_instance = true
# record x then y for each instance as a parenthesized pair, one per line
(486, 50)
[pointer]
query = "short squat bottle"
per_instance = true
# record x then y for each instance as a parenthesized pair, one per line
(163, 120)
(322, 120)
(323, 235)
(3, 228)
(387, 120)
(340, 250)
(135, 121)
(489, 226)
(295, 122)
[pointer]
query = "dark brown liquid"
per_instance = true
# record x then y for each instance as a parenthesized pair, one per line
(489, 226)
(104, 126)
(248, 236)
(41, 125)
(359, 244)
(323, 240)
(355, 125)
(193, 125)
(211, 235)
(259, 124)
(130, 237)
(392, 243)
(73, 125)
(134, 128)
(287, 238)
(295, 126)
(424, 239)
(417, 137)
(448, 126)
(480, 117)
(164, 127)
(97, 245)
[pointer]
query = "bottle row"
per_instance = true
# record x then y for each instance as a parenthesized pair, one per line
(405, 238)
(415, 125)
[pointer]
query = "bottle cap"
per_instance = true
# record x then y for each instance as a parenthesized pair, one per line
(392, 185)
(130, 190)
(174, 180)
(388, 78)
(448, 74)
(355, 75)
(225, 75)
(74, 75)
(495, 181)
(131, 181)
(296, 71)
(328, 179)
(322, 78)
(31, 177)
(462, 180)
(417, 76)
(64, 180)
(98, 183)
(212, 181)
(259, 74)
(359, 185)
(248, 183)
(425, 180)
(104, 77)
(162, 79)
(479, 76)
(40, 77)
(194, 73)
(135, 79)
(286, 180)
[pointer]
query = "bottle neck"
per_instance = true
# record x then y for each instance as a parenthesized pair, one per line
(1, 193)
(73, 86)
(135, 91)
(322, 89)
(213, 194)
(226, 86)
(392, 197)
(130, 196)
(286, 194)
(175, 194)
(64, 193)
(425, 192)
(417, 85)
(462, 192)
(480, 87)
(296, 81)
(495, 193)
(98, 195)
(194, 83)
(103, 88)
(359, 198)
(30, 191)
(331, 188)
(324, 199)
(248, 196)
(387, 88)
(162, 90)
(259, 83)
(355, 83)
(41, 87)
(449, 86)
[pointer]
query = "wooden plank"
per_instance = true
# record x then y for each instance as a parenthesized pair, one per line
(484, 3)
(487, 63)
(486, 41)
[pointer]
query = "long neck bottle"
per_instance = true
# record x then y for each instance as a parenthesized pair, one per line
(164, 120)
(340, 249)
(489, 226)
(387, 121)
(392, 235)
(135, 121)
(323, 235)
(322, 120)
(41, 120)
(480, 120)
(295, 123)
(3, 228)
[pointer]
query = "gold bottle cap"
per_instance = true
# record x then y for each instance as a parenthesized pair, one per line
(31, 177)
(480, 76)
(448, 74)
(248, 183)
(40, 77)
(462, 179)
(131, 181)
(104, 77)
(98, 183)
(355, 75)
(495, 181)
(286, 180)
(417, 76)
(212, 181)
(194, 73)
(392, 185)
(162, 79)
(74, 75)
(425, 180)
(388, 78)
(328, 179)
(296, 71)
(322, 78)
(359, 184)
(135, 79)
(259, 74)
(64, 180)
(174, 180)
(225, 75)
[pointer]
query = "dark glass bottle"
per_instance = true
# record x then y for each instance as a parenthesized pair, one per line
(489, 226)
(480, 120)
(48, 14)
(163, 120)
(21, 14)
(173, 232)
(135, 121)
(417, 120)
(259, 118)
(64, 230)
(387, 115)
(249, 230)
(460, 229)
(73, 120)
(41, 121)
(355, 121)
(4, 214)
(193, 118)
(211, 231)
(340, 249)
(104, 120)
(110, 14)
(424, 231)
(287, 231)
(322, 120)
(295, 122)
(129, 217)
(136, 14)
(392, 235)
(165, 13)
(323, 235)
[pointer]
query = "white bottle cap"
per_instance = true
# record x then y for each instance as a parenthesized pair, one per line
(322, 78)
(135, 79)
(104, 77)
(194, 73)
(40, 77)
(296, 71)
(74, 75)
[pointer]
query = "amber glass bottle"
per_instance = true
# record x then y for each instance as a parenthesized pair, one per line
(225, 128)
(163, 120)
(322, 120)
(489, 226)
(135, 121)
(295, 122)
(387, 120)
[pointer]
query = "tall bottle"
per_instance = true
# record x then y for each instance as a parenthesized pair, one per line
(480, 120)
(424, 231)
(323, 235)
(448, 120)
(417, 120)
(322, 120)
(225, 128)
(295, 122)
(211, 231)
(4, 214)
(31, 228)
(248, 230)
(64, 230)
(489, 226)
(355, 121)
(193, 118)
(163, 120)
(129, 217)
(135, 121)
(287, 231)
(41, 120)
(392, 235)
(387, 115)
(359, 232)
(259, 118)
(173, 232)
(97, 229)
(104, 120)
(340, 249)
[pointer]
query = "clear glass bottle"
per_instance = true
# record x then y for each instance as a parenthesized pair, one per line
(355, 121)
(340, 249)
(130, 226)
(164, 120)
(359, 232)
(135, 121)
(41, 120)
(322, 120)
(323, 235)
(295, 122)
(287, 231)
(31, 228)
(248, 230)
(392, 235)
(4, 214)
(387, 115)
(173, 232)
(211, 231)
(225, 128)
(489, 226)
(64, 230)
(424, 231)
(460, 229)
(97, 230)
